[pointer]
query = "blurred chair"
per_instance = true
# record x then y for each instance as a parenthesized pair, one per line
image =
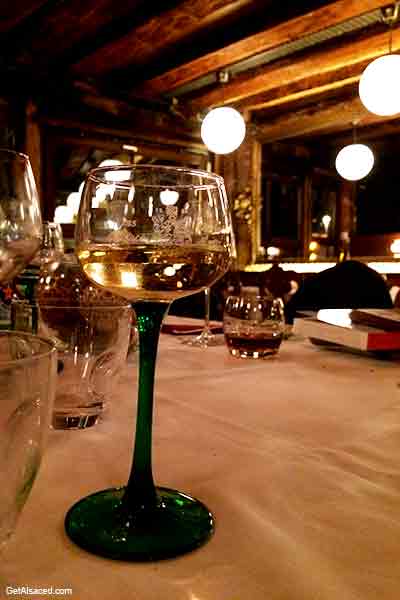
(349, 284)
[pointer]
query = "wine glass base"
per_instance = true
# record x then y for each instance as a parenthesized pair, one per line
(175, 525)
(205, 341)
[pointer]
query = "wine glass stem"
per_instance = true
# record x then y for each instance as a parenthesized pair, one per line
(207, 309)
(140, 492)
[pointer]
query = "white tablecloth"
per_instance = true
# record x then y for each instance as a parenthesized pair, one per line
(298, 457)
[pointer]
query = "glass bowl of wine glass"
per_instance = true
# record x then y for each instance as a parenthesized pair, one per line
(20, 219)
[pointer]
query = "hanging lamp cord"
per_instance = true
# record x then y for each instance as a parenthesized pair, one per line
(390, 16)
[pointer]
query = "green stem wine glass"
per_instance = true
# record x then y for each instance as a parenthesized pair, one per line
(150, 234)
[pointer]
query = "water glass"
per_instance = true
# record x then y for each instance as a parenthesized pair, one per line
(27, 385)
(253, 325)
(92, 343)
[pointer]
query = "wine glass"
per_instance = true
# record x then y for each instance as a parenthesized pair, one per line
(148, 243)
(206, 338)
(52, 247)
(20, 219)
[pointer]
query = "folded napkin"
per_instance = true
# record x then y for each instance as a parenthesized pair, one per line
(186, 326)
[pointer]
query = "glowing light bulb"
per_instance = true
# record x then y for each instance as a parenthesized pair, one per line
(63, 214)
(117, 174)
(223, 130)
(354, 161)
(379, 86)
(169, 197)
(73, 201)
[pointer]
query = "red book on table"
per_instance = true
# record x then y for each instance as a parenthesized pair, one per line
(352, 328)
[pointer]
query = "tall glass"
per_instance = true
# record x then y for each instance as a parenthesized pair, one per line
(27, 385)
(161, 233)
(20, 219)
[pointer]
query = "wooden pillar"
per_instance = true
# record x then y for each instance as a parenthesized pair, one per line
(256, 164)
(241, 171)
(346, 209)
(304, 224)
(33, 146)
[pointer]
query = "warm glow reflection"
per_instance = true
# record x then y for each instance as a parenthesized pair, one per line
(326, 221)
(129, 279)
(395, 247)
(63, 214)
(169, 271)
(382, 267)
(335, 316)
(169, 197)
(103, 191)
(273, 251)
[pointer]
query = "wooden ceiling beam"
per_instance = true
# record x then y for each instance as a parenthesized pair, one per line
(130, 134)
(372, 133)
(268, 79)
(300, 90)
(147, 41)
(319, 120)
(63, 25)
(13, 13)
(272, 37)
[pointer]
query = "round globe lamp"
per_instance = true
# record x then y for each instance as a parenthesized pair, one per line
(223, 130)
(354, 162)
(379, 86)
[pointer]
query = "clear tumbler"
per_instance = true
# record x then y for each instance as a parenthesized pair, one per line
(253, 325)
(27, 385)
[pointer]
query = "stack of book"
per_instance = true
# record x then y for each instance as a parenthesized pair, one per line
(369, 329)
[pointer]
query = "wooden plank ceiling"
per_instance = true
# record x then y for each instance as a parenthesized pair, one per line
(294, 66)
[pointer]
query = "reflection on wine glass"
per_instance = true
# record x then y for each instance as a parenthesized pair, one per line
(150, 252)
(20, 220)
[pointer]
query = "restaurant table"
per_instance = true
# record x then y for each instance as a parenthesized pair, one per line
(297, 456)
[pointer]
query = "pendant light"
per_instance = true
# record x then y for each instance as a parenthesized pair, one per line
(223, 129)
(379, 86)
(354, 161)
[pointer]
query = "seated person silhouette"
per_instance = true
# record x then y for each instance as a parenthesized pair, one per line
(349, 284)
(280, 283)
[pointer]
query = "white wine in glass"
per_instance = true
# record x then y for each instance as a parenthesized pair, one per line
(153, 271)
(162, 233)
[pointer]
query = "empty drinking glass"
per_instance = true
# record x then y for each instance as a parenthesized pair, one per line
(92, 343)
(27, 384)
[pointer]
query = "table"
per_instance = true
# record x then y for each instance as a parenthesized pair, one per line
(298, 457)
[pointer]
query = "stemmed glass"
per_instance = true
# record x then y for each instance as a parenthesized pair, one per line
(206, 338)
(20, 219)
(52, 247)
(148, 244)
